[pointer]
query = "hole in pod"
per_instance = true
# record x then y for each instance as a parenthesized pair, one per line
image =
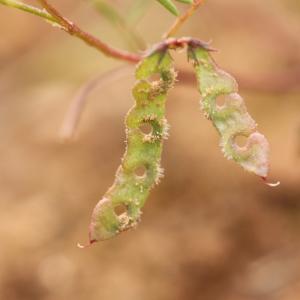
(146, 128)
(154, 77)
(221, 100)
(240, 140)
(140, 171)
(120, 209)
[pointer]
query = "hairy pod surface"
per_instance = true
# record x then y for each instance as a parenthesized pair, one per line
(146, 127)
(230, 118)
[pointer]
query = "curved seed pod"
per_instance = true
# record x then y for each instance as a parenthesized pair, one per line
(146, 127)
(231, 119)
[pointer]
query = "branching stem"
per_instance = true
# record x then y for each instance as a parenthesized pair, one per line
(51, 14)
(73, 29)
(54, 16)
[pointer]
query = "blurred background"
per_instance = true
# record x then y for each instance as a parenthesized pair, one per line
(209, 231)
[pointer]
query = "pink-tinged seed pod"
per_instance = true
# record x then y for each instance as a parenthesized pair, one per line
(231, 118)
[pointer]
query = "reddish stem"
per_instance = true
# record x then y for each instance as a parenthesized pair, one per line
(73, 29)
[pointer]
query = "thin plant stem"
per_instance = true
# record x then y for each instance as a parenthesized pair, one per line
(78, 103)
(50, 14)
(73, 29)
(182, 19)
(30, 9)
(54, 16)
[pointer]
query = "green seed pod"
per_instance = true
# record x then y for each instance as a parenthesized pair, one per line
(146, 127)
(231, 119)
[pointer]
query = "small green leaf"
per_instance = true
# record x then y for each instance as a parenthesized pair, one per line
(170, 6)
(31, 9)
(186, 1)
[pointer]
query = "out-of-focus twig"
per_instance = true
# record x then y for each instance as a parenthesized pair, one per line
(74, 113)
(127, 32)
(136, 11)
(182, 19)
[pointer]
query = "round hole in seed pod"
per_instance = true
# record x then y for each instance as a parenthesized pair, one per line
(240, 141)
(120, 209)
(146, 128)
(221, 100)
(140, 171)
(154, 77)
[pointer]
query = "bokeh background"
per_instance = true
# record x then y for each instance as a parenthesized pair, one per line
(209, 231)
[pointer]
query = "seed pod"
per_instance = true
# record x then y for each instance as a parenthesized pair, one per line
(231, 119)
(146, 127)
